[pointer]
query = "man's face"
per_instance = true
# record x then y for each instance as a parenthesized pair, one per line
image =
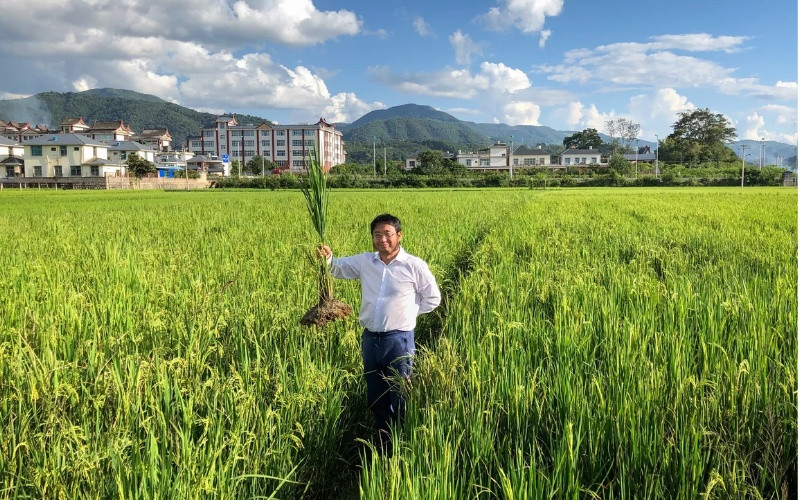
(385, 240)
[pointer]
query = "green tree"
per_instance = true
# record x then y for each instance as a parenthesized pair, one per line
(431, 162)
(236, 167)
(618, 163)
(258, 165)
(699, 135)
(585, 139)
(138, 166)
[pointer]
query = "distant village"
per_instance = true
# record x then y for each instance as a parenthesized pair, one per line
(79, 150)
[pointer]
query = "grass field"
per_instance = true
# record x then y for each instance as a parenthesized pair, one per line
(611, 343)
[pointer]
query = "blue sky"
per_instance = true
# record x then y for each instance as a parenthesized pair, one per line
(566, 64)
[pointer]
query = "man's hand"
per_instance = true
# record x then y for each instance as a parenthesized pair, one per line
(324, 251)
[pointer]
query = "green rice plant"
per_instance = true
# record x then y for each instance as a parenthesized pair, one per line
(315, 191)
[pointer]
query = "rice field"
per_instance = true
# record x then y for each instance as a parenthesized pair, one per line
(597, 343)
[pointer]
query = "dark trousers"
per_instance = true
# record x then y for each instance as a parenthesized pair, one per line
(388, 358)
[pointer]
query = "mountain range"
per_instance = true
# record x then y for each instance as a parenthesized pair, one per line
(404, 129)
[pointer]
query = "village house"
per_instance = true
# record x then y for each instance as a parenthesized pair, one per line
(11, 161)
(525, 156)
(63, 155)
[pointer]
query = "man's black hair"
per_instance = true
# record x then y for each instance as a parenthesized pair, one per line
(386, 219)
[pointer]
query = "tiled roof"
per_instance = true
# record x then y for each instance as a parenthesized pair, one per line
(66, 139)
(4, 141)
(128, 146)
(581, 152)
(525, 150)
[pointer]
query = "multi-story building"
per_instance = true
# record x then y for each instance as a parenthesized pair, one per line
(63, 155)
(118, 152)
(11, 162)
(286, 145)
(525, 156)
(158, 139)
(19, 131)
(108, 132)
(581, 158)
(495, 157)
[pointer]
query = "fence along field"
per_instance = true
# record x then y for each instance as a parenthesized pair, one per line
(610, 343)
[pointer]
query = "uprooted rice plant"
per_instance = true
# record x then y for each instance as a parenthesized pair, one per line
(608, 343)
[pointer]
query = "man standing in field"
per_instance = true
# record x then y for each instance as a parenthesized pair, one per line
(395, 288)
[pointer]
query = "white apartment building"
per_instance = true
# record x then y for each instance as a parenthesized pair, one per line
(68, 155)
(581, 157)
(495, 157)
(286, 145)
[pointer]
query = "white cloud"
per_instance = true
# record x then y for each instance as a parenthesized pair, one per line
(783, 114)
(173, 50)
(543, 36)
(504, 78)
(579, 116)
(521, 113)
(698, 42)
(527, 16)
(457, 83)
(422, 27)
(755, 129)
(464, 46)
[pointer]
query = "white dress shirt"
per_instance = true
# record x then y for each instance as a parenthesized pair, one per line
(393, 295)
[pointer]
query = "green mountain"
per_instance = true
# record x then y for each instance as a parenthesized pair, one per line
(403, 111)
(140, 111)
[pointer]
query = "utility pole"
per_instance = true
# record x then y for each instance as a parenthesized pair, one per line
(636, 162)
(743, 148)
(510, 159)
(657, 144)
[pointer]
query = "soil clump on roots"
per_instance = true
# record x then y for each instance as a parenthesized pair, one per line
(326, 311)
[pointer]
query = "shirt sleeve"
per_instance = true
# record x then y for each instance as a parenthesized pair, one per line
(348, 268)
(428, 295)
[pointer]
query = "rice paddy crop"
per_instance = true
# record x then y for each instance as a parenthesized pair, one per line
(591, 343)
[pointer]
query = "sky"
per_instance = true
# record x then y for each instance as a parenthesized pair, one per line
(566, 64)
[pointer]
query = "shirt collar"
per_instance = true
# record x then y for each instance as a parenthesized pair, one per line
(401, 256)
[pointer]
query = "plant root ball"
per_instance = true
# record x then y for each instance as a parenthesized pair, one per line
(324, 312)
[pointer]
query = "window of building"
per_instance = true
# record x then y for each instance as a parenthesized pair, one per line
(297, 142)
(59, 170)
(469, 163)
(37, 171)
(53, 148)
(36, 151)
(297, 152)
(280, 142)
(541, 161)
(484, 162)
(249, 133)
(123, 155)
(236, 133)
(310, 142)
(208, 144)
(265, 143)
(281, 163)
(208, 133)
(296, 133)
(310, 132)
(63, 150)
(280, 153)
(75, 170)
(95, 171)
(249, 143)
(76, 148)
(594, 159)
(280, 133)
(249, 152)
(10, 172)
(297, 163)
